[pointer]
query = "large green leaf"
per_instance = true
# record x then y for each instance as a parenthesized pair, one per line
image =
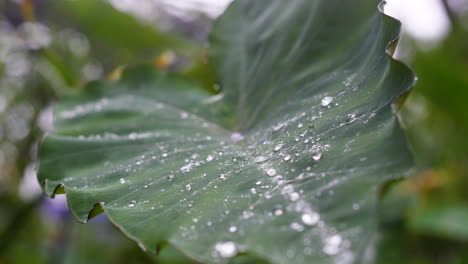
(285, 164)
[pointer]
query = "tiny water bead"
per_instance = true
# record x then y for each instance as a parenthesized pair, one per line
(287, 157)
(233, 229)
(326, 101)
(122, 180)
(188, 187)
(271, 172)
(183, 115)
(297, 227)
(226, 249)
(278, 147)
(294, 196)
(332, 245)
(209, 158)
(247, 214)
(236, 137)
(310, 218)
(317, 156)
(278, 212)
(260, 159)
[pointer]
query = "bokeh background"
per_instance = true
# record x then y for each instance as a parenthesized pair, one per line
(50, 47)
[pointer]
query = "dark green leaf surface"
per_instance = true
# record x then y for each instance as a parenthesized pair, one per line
(284, 164)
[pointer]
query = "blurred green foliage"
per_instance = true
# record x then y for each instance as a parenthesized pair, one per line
(428, 214)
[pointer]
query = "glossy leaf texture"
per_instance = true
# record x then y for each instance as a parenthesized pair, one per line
(285, 164)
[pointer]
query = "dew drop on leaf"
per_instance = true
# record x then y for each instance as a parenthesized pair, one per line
(247, 214)
(294, 196)
(132, 203)
(332, 245)
(297, 227)
(326, 101)
(317, 156)
(236, 137)
(226, 249)
(183, 115)
(278, 212)
(278, 147)
(356, 206)
(271, 172)
(310, 218)
(260, 159)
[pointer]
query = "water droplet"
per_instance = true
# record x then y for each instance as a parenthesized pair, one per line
(278, 212)
(287, 157)
(226, 249)
(233, 229)
(260, 159)
(294, 196)
(317, 156)
(183, 115)
(300, 125)
(209, 158)
(271, 172)
(351, 118)
(278, 147)
(188, 187)
(332, 245)
(310, 218)
(253, 191)
(356, 206)
(236, 137)
(258, 183)
(297, 227)
(164, 155)
(132, 204)
(247, 214)
(222, 177)
(288, 189)
(122, 180)
(326, 101)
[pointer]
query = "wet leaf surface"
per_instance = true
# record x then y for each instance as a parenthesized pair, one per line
(284, 164)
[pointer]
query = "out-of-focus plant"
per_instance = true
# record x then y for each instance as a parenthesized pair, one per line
(40, 60)
(430, 212)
